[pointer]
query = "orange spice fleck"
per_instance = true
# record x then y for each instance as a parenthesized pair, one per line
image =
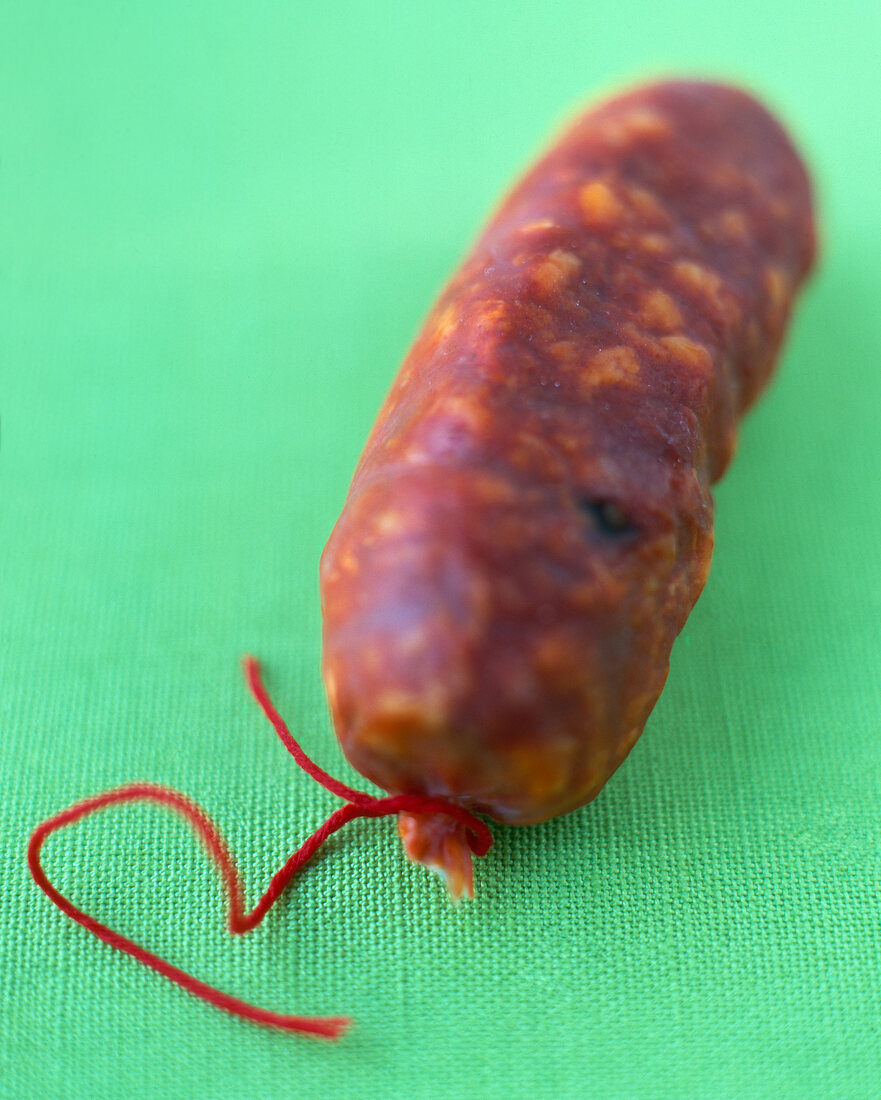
(689, 352)
(565, 352)
(611, 366)
(445, 322)
(389, 522)
(599, 204)
(733, 224)
(467, 410)
(701, 280)
(537, 226)
(659, 311)
(554, 272)
(777, 288)
(642, 122)
(647, 205)
(494, 315)
(654, 243)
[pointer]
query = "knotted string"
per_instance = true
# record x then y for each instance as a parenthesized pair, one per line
(357, 804)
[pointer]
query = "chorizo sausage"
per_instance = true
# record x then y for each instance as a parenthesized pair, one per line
(531, 522)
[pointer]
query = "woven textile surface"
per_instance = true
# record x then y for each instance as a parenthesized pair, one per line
(220, 226)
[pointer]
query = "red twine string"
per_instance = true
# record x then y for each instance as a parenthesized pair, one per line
(358, 804)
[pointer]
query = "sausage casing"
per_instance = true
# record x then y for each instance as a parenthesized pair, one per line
(531, 522)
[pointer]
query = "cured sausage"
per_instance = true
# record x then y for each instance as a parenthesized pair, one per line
(531, 522)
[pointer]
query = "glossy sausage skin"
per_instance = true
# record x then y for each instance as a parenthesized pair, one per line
(531, 522)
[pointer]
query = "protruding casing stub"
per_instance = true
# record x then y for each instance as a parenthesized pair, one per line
(441, 845)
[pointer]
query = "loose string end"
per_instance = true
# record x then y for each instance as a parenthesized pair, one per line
(323, 1027)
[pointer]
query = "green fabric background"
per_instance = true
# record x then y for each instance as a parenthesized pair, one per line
(220, 226)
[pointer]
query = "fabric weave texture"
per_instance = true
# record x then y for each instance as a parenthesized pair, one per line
(221, 225)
